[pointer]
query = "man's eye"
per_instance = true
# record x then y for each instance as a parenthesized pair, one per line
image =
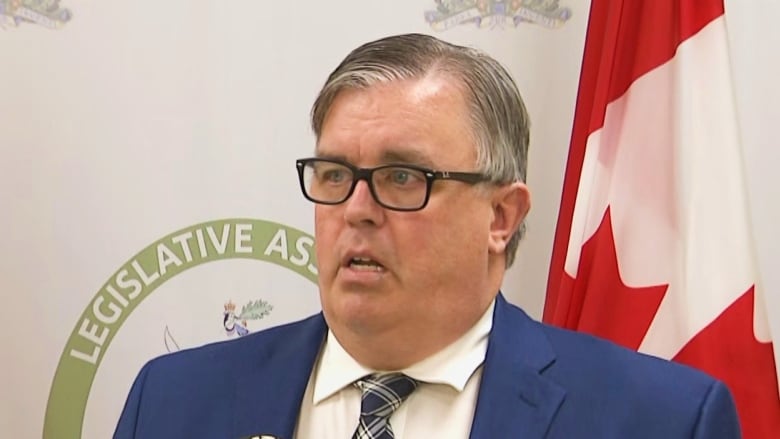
(334, 176)
(400, 176)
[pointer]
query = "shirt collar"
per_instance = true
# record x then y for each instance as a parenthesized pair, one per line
(453, 365)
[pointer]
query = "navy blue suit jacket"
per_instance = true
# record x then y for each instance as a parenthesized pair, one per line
(537, 382)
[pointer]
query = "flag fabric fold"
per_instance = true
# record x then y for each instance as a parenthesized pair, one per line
(653, 247)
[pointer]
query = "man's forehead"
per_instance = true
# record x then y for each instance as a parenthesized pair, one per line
(412, 121)
(416, 90)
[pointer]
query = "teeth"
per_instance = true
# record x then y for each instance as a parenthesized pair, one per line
(366, 264)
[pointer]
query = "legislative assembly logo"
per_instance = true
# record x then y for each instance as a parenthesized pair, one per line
(497, 13)
(47, 13)
(135, 280)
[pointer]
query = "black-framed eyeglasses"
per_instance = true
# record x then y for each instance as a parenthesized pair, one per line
(396, 186)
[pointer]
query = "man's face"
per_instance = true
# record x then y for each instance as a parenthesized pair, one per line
(414, 274)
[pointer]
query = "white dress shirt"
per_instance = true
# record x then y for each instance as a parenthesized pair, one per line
(442, 406)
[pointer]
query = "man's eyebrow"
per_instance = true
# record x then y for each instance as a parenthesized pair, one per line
(410, 157)
(339, 157)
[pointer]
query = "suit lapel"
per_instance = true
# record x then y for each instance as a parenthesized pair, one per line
(270, 389)
(514, 396)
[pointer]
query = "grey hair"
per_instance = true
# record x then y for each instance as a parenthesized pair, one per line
(499, 117)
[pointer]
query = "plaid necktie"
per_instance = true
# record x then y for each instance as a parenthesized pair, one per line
(382, 394)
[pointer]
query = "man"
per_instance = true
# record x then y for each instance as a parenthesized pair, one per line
(418, 183)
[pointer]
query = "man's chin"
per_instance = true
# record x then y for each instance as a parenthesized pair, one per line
(359, 310)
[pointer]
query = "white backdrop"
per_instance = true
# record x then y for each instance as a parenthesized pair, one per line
(754, 40)
(131, 123)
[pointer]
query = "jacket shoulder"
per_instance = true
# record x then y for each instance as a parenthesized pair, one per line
(609, 390)
(198, 392)
(650, 396)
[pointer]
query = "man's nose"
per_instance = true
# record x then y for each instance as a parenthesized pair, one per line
(362, 208)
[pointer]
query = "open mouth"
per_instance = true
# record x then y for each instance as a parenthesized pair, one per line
(364, 264)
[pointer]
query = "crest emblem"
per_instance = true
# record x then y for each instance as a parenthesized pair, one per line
(497, 13)
(47, 13)
(237, 324)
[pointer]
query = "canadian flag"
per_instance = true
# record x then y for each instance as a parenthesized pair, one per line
(653, 248)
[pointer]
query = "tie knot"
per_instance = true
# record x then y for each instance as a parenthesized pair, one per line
(383, 393)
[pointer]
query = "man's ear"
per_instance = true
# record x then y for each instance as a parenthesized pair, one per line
(510, 206)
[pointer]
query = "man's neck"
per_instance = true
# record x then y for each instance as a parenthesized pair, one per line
(403, 347)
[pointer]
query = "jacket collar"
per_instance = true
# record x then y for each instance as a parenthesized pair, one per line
(270, 389)
(514, 396)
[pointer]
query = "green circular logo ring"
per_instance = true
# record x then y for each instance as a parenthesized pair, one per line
(234, 238)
